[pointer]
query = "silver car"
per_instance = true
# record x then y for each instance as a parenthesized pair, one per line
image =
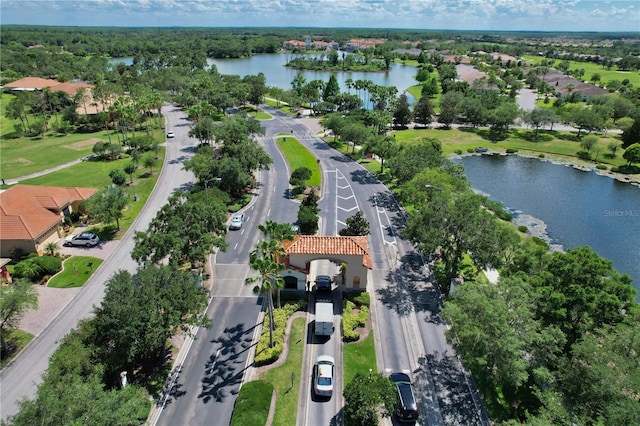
(85, 239)
(236, 221)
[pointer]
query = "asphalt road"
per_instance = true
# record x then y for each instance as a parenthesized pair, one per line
(20, 378)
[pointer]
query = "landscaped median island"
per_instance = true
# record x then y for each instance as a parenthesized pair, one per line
(359, 356)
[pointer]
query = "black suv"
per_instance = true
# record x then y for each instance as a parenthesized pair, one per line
(323, 283)
(406, 408)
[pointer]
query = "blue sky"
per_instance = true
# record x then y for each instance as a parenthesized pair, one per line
(507, 15)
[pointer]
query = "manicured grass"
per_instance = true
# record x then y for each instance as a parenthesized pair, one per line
(95, 174)
(280, 377)
(359, 357)
(26, 155)
(252, 404)
(591, 68)
(68, 278)
(562, 145)
(298, 156)
(16, 339)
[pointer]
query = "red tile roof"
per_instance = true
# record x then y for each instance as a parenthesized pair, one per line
(313, 244)
(26, 211)
(37, 83)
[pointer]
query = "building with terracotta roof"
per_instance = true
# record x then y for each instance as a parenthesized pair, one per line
(31, 216)
(352, 251)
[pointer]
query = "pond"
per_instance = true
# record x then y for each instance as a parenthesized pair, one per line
(565, 206)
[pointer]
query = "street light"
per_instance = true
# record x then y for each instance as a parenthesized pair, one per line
(206, 188)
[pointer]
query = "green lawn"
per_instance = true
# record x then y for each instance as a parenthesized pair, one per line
(252, 405)
(591, 68)
(68, 278)
(359, 357)
(16, 339)
(297, 156)
(554, 144)
(280, 377)
(95, 174)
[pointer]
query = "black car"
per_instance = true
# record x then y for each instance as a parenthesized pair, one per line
(406, 407)
(323, 284)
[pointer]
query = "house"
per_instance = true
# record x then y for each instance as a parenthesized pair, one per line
(31, 216)
(351, 251)
(30, 84)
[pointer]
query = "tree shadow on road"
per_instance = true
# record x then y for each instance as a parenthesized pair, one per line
(225, 367)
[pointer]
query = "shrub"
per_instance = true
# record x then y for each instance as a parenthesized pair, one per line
(602, 167)
(522, 229)
(540, 155)
(458, 151)
(497, 208)
(540, 242)
(351, 321)
(511, 150)
(470, 150)
(50, 265)
(265, 354)
(37, 267)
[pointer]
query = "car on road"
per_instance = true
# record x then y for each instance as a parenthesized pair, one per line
(85, 239)
(406, 406)
(170, 134)
(236, 221)
(323, 284)
(323, 375)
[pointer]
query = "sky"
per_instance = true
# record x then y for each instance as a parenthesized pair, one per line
(488, 15)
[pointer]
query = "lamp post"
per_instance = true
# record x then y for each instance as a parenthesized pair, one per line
(206, 188)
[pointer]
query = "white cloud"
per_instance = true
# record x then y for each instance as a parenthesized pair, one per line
(550, 15)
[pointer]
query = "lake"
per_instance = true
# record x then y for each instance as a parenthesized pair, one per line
(566, 207)
(273, 68)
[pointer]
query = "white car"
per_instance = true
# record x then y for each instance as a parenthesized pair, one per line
(170, 134)
(236, 221)
(323, 371)
(85, 239)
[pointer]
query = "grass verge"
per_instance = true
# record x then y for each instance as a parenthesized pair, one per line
(252, 405)
(280, 377)
(16, 340)
(75, 272)
(359, 357)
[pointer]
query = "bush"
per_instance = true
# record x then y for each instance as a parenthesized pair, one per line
(584, 155)
(265, 354)
(602, 167)
(35, 268)
(540, 242)
(471, 150)
(540, 155)
(350, 321)
(458, 151)
(522, 229)
(511, 150)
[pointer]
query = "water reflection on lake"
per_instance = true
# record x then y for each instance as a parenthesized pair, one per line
(273, 68)
(578, 207)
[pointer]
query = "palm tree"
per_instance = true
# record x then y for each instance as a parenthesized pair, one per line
(276, 233)
(51, 249)
(268, 277)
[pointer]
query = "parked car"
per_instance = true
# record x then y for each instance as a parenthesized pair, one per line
(406, 407)
(482, 149)
(170, 134)
(236, 221)
(85, 239)
(323, 372)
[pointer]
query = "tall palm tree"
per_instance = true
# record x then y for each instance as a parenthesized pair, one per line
(277, 233)
(268, 277)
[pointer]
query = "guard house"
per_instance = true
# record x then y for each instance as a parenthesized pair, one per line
(353, 252)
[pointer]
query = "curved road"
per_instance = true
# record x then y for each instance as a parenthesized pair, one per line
(20, 378)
